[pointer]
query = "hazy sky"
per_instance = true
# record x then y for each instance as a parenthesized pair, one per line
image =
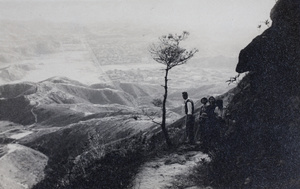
(218, 21)
(173, 12)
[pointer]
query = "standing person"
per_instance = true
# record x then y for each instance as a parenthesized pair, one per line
(211, 107)
(203, 118)
(190, 119)
(203, 108)
(212, 133)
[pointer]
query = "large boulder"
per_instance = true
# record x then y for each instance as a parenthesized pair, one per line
(274, 56)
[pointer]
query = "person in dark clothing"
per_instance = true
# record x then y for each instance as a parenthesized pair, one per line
(212, 133)
(204, 102)
(211, 107)
(203, 118)
(190, 119)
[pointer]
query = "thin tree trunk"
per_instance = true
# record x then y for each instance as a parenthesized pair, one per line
(163, 123)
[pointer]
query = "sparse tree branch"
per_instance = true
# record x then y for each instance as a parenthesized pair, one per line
(151, 117)
(169, 53)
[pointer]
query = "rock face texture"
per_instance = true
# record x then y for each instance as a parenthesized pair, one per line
(264, 150)
(274, 55)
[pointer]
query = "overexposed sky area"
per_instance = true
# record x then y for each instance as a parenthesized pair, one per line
(220, 20)
(178, 12)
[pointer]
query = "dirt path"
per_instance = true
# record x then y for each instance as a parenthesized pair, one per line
(161, 173)
(34, 114)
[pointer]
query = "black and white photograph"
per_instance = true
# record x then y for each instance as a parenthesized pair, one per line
(149, 94)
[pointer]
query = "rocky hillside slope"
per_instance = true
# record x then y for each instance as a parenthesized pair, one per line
(44, 102)
(63, 127)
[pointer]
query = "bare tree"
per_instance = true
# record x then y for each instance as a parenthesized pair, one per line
(169, 53)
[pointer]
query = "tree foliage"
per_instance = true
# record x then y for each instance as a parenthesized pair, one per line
(169, 53)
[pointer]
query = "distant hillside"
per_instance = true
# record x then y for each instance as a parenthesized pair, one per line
(67, 99)
(67, 123)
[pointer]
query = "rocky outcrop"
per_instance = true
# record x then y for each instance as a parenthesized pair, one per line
(264, 148)
(279, 46)
(274, 56)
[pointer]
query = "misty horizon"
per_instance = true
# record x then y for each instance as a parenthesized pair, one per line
(41, 39)
(214, 25)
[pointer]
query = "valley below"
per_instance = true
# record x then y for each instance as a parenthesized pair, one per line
(80, 99)
(58, 123)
